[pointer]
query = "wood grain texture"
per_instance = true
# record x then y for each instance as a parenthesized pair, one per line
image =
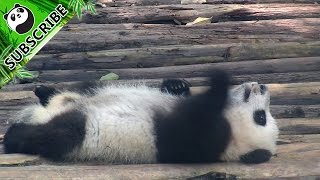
(93, 37)
(285, 65)
(292, 160)
(173, 55)
(116, 3)
(187, 13)
(283, 78)
(246, 1)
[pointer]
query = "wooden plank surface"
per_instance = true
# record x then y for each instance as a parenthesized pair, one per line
(285, 65)
(244, 1)
(187, 13)
(292, 160)
(115, 3)
(294, 77)
(170, 55)
(119, 36)
(274, 42)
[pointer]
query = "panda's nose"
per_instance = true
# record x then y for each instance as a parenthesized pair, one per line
(18, 15)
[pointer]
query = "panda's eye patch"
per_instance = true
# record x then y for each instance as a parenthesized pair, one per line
(260, 117)
(13, 17)
(247, 92)
(20, 10)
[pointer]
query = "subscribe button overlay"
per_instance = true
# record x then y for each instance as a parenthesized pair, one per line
(26, 26)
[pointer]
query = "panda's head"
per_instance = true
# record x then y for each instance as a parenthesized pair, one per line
(252, 125)
(20, 19)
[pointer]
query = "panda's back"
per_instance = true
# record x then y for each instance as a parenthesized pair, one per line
(120, 124)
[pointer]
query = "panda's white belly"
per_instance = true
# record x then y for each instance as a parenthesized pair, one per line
(120, 127)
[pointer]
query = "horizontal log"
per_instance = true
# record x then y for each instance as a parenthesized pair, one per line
(299, 126)
(295, 77)
(116, 3)
(187, 13)
(289, 94)
(84, 37)
(277, 26)
(301, 138)
(172, 55)
(295, 111)
(246, 1)
(285, 65)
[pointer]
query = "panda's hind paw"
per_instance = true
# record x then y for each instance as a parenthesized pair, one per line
(44, 93)
(176, 87)
(255, 157)
(219, 81)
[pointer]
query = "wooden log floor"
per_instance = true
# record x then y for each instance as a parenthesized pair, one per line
(275, 42)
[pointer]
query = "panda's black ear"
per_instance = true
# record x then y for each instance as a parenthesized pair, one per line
(17, 5)
(5, 16)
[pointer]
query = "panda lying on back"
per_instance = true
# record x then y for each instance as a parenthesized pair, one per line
(139, 124)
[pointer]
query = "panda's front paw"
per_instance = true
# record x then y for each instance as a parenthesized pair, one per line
(44, 93)
(176, 87)
(255, 157)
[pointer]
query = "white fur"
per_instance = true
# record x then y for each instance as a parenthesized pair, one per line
(119, 127)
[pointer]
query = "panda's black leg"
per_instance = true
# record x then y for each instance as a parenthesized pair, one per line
(53, 140)
(196, 131)
(176, 87)
(256, 156)
(44, 93)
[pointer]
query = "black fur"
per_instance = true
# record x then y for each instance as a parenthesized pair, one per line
(176, 87)
(260, 118)
(52, 140)
(263, 89)
(256, 156)
(44, 93)
(247, 92)
(196, 131)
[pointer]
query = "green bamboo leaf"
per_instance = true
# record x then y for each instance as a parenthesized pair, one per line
(4, 73)
(79, 13)
(90, 7)
(5, 52)
(24, 74)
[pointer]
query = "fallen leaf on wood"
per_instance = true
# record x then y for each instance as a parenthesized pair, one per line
(200, 20)
(110, 76)
(193, 1)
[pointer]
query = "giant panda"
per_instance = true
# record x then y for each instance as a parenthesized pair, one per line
(132, 124)
(20, 19)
